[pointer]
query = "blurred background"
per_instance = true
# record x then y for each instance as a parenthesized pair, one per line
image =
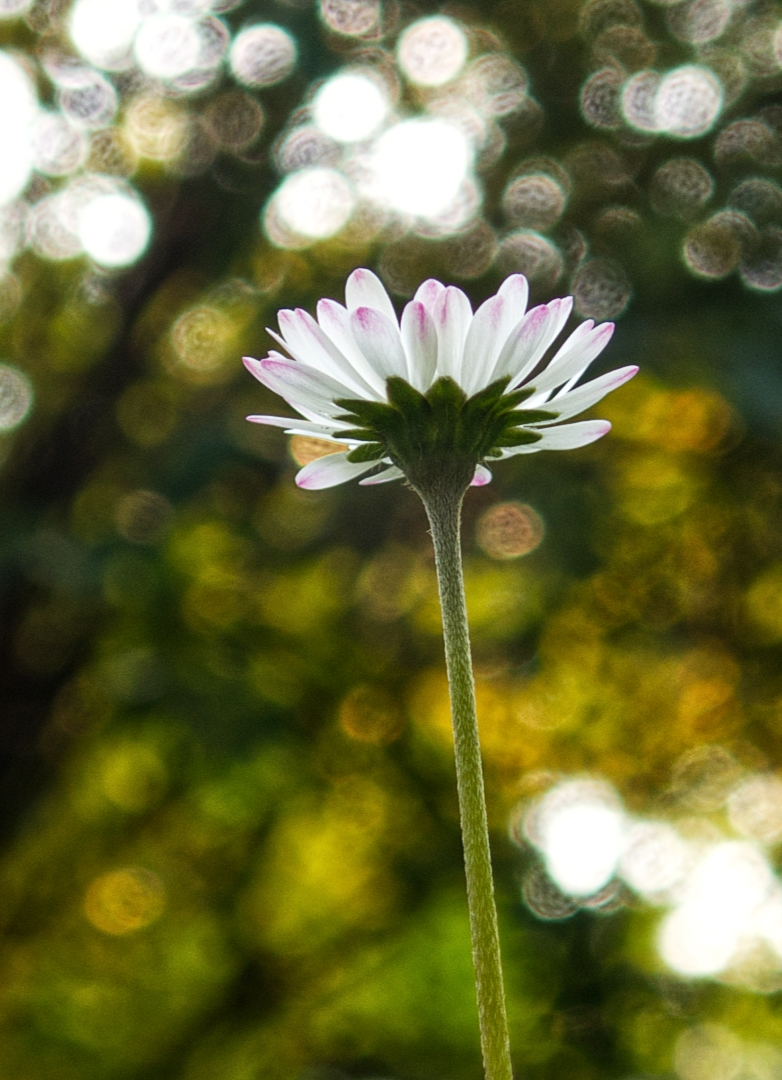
(227, 805)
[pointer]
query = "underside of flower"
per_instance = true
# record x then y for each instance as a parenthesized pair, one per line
(440, 391)
(441, 431)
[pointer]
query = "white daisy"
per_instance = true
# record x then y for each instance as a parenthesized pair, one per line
(441, 383)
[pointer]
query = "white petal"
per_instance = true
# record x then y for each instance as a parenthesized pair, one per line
(299, 385)
(584, 397)
(566, 437)
(419, 338)
(483, 343)
(378, 338)
(529, 340)
(365, 289)
(391, 473)
(481, 478)
(293, 425)
(575, 356)
(428, 293)
(452, 315)
(515, 289)
(334, 320)
(328, 471)
(307, 343)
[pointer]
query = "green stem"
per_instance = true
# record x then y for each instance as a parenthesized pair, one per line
(443, 507)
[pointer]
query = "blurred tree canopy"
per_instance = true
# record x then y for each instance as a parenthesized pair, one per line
(230, 839)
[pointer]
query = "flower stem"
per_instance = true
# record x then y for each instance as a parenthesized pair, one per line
(443, 507)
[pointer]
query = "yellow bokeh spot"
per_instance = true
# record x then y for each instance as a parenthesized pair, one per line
(204, 340)
(304, 449)
(764, 604)
(124, 901)
(216, 600)
(655, 488)
(133, 776)
(325, 868)
(307, 598)
(501, 600)
(156, 128)
(393, 581)
(202, 549)
(371, 715)
(644, 412)
(705, 705)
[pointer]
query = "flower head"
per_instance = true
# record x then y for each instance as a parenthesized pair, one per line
(439, 388)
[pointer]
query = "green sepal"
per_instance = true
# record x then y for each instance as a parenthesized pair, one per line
(515, 397)
(534, 416)
(362, 434)
(404, 397)
(518, 437)
(369, 413)
(490, 394)
(446, 394)
(366, 452)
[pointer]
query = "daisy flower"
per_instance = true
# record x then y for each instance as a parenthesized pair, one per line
(442, 387)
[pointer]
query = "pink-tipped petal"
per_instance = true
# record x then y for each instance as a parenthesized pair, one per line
(300, 385)
(428, 293)
(419, 339)
(522, 345)
(310, 345)
(379, 340)
(452, 315)
(365, 289)
(384, 477)
(571, 436)
(329, 471)
(575, 356)
(584, 397)
(334, 321)
(527, 344)
(483, 343)
(515, 290)
(482, 477)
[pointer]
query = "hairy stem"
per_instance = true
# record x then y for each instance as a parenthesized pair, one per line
(443, 507)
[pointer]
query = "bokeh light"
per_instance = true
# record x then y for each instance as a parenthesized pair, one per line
(311, 203)
(58, 148)
(354, 18)
(124, 901)
(680, 188)
(167, 46)
(687, 102)
(601, 289)
(11, 9)
(579, 827)
(16, 397)
(16, 117)
(432, 51)
(114, 229)
(534, 200)
(509, 530)
(349, 107)
(420, 165)
(755, 808)
(262, 55)
(708, 1050)
(655, 859)
(722, 904)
